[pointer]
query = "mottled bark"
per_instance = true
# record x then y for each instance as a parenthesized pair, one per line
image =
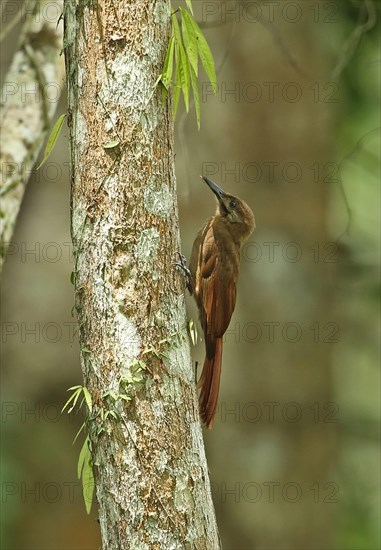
(149, 464)
(30, 94)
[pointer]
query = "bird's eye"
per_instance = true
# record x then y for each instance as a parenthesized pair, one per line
(232, 204)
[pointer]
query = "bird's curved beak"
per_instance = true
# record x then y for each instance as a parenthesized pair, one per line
(220, 193)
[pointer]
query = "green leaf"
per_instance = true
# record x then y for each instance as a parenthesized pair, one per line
(85, 471)
(176, 29)
(74, 397)
(182, 67)
(114, 395)
(82, 457)
(190, 40)
(111, 413)
(189, 5)
(79, 431)
(124, 397)
(111, 144)
(184, 75)
(164, 93)
(176, 86)
(72, 278)
(88, 399)
(205, 54)
(52, 139)
(88, 484)
(193, 331)
(195, 96)
(157, 81)
(168, 64)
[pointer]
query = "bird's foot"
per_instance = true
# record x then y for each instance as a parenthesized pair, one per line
(182, 264)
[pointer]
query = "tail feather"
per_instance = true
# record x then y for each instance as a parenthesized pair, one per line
(210, 384)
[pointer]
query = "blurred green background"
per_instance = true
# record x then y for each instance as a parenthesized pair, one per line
(294, 452)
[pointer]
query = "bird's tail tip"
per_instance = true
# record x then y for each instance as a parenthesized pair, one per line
(209, 384)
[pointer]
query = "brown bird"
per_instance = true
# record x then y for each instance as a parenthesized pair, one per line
(214, 267)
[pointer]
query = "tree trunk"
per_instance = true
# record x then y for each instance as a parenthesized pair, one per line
(30, 95)
(148, 457)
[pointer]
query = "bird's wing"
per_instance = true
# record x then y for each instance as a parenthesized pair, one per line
(217, 289)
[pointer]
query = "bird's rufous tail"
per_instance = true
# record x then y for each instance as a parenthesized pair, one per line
(209, 384)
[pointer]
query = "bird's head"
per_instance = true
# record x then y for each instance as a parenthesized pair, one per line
(233, 209)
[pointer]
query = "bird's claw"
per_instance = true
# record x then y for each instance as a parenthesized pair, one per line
(182, 264)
